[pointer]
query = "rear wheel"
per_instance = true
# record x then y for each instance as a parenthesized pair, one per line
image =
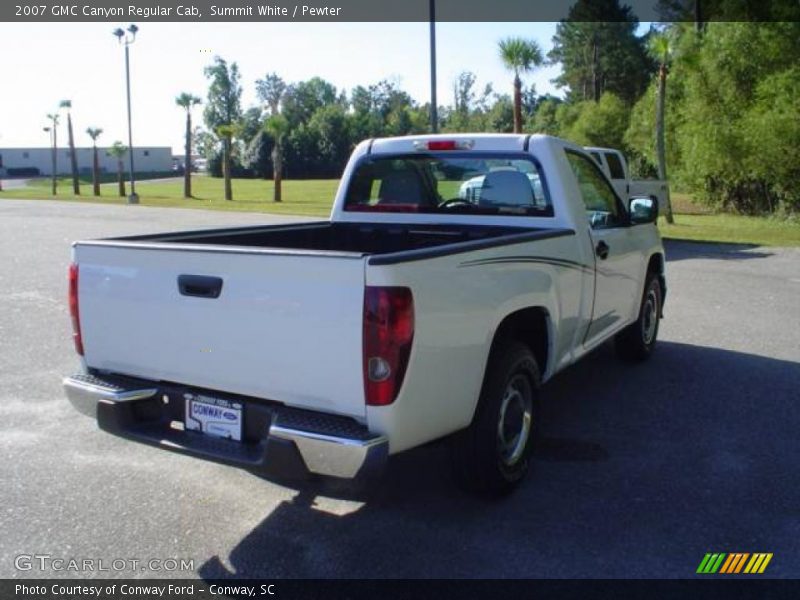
(493, 454)
(636, 342)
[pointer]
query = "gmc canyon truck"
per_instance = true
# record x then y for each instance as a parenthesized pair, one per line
(412, 314)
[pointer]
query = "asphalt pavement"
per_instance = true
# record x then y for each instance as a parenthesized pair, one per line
(643, 469)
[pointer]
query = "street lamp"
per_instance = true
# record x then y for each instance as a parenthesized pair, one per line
(127, 37)
(53, 151)
(434, 108)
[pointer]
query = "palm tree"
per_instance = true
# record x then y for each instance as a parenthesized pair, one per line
(118, 150)
(94, 133)
(520, 56)
(53, 117)
(67, 104)
(270, 91)
(223, 110)
(226, 133)
(661, 49)
(187, 101)
(277, 126)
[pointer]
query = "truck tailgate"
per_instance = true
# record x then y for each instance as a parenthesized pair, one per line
(285, 327)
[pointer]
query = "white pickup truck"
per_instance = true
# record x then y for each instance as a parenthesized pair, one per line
(411, 315)
(615, 166)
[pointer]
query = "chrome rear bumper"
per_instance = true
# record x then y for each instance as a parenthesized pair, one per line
(85, 392)
(147, 412)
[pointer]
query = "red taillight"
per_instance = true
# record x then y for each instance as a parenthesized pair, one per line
(73, 308)
(441, 145)
(444, 145)
(388, 333)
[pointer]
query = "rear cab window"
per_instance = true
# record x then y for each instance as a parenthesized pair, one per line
(455, 183)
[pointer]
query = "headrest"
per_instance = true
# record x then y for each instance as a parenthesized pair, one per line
(400, 187)
(507, 187)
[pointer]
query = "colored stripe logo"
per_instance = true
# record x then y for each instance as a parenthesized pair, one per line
(734, 563)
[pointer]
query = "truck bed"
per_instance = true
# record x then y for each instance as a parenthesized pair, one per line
(349, 238)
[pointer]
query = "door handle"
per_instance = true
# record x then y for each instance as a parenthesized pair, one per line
(200, 286)
(602, 249)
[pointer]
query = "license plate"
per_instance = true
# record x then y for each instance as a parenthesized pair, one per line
(214, 416)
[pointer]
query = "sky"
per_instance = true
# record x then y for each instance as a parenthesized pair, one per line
(47, 62)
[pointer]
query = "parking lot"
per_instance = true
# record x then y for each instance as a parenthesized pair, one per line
(644, 468)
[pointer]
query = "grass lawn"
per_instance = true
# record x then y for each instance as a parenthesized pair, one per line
(315, 197)
(309, 197)
(696, 222)
(734, 229)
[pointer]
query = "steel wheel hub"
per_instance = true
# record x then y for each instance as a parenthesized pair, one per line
(514, 424)
(650, 316)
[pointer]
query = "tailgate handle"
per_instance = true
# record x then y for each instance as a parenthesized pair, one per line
(200, 286)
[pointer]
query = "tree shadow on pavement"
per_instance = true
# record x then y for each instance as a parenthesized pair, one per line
(686, 249)
(643, 469)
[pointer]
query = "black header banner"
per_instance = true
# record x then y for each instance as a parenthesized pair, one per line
(390, 10)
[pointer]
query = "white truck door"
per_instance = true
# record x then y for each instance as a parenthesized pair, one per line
(617, 259)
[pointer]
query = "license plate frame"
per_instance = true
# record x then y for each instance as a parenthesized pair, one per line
(213, 416)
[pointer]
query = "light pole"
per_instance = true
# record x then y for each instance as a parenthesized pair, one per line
(434, 109)
(53, 152)
(127, 37)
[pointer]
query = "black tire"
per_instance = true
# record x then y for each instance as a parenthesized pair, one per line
(482, 462)
(636, 342)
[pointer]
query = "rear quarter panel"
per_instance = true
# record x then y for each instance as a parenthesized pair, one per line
(459, 301)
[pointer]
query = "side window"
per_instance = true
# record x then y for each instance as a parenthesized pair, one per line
(615, 166)
(598, 196)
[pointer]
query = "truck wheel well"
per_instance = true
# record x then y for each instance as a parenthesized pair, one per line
(528, 326)
(656, 265)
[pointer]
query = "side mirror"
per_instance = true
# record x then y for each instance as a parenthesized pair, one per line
(643, 210)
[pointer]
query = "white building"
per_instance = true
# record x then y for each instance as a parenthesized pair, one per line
(145, 160)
